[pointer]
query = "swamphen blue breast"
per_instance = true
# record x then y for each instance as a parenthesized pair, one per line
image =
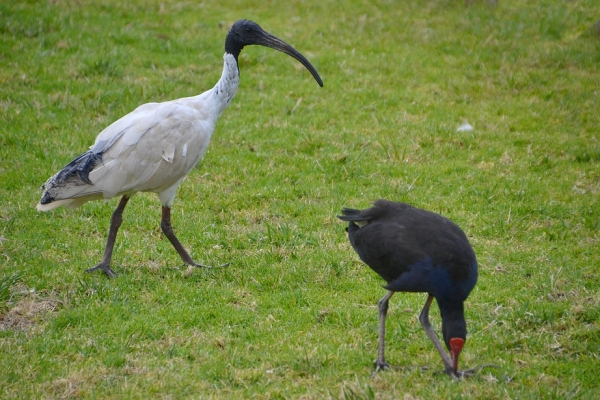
(416, 250)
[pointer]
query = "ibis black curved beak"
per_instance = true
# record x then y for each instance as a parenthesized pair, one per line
(245, 32)
(274, 42)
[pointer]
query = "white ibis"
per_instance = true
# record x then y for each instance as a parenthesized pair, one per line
(154, 147)
(417, 251)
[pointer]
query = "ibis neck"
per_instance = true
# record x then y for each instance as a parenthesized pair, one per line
(225, 89)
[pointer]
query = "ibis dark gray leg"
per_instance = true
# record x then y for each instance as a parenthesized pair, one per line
(167, 229)
(115, 223)
(380, 363)
(424, 319)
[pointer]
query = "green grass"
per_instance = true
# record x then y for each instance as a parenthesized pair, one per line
(294, 316)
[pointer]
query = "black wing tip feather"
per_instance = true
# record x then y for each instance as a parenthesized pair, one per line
(76, 173)
(80, 168)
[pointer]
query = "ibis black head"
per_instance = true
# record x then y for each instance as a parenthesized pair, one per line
(245, 33)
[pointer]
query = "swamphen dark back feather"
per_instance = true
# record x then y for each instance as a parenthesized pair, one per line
(416, 250)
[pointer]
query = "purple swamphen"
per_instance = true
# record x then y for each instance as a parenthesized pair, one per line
(416, 250)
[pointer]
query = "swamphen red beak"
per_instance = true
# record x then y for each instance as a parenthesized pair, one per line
(456, 346)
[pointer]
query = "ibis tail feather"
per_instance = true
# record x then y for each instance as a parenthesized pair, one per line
(71, 184)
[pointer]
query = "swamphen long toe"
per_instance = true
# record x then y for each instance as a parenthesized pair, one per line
(416, 250)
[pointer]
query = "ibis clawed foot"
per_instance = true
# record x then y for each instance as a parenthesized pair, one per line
(104, 268)
(381, 366)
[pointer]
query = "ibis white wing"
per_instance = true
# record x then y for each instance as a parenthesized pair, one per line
(153, 153)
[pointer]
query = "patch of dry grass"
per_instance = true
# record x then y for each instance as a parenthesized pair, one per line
(29, 311)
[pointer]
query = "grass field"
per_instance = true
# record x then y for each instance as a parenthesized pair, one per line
(294, 315)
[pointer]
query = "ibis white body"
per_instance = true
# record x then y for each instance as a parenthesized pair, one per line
(152, 148)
